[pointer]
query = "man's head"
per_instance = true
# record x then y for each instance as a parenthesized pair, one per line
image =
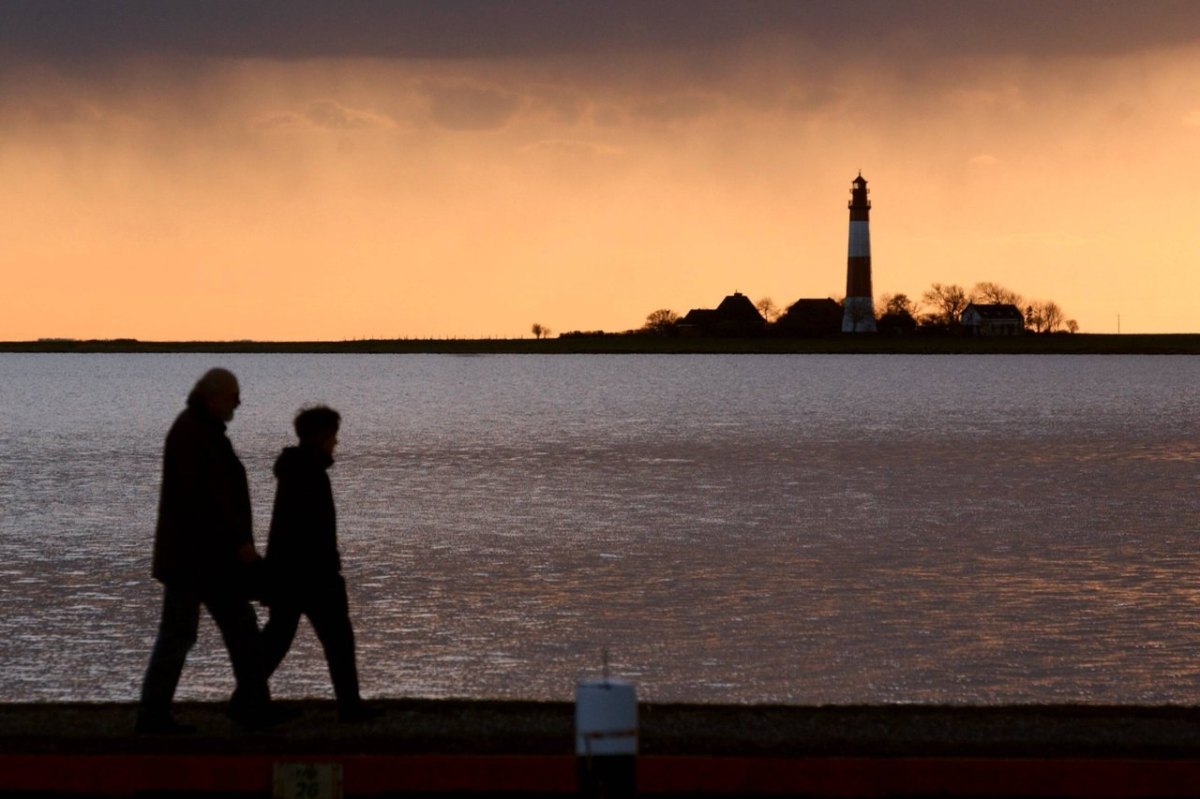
(217, 392)
(318, 427)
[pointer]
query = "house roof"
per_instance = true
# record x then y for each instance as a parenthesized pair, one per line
(734, 309)
(823, 305)
(700, 316)
(996, 311)
(738, 308)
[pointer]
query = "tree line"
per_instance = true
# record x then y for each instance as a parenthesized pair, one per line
(939, 308)
(942, 305)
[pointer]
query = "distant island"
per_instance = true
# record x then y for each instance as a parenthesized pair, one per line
(643, 343)
(988, 310)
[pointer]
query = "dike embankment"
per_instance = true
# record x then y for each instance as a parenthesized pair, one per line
(473, 748)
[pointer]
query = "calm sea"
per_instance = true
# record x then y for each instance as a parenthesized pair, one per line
(797, 529)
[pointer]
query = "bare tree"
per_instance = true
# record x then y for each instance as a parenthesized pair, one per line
(1044, 317)
(660, 321)
(948, 303)
(995, 294)
(1054, 316)
(769, 310)
(1033, 317)
(1072, 326)
(898, 304)
(539, 330)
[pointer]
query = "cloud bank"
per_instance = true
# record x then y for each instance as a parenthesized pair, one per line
(72, 32)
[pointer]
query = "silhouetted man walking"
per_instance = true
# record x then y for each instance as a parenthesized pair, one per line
(304, 563)
(203, 553)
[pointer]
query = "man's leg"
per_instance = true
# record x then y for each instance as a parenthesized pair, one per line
(329, 612)
(176, 634)
(239, 628)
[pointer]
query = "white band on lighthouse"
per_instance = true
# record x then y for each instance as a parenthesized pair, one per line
(860, 239)
(859, 315)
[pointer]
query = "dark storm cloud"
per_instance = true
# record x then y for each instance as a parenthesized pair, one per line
(672, 108)
(77, 31)
(324, 115)
(331, 115)
(463, 106)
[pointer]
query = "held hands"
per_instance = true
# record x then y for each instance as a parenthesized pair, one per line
(258, 583)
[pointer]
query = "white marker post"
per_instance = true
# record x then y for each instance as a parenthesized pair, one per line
(606, 738)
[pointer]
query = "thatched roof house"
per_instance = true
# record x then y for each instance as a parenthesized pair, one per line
(735, 316)
(811, 317)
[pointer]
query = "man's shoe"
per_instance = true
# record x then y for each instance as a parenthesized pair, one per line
(357, 714)
(161, 725)
(265, 717)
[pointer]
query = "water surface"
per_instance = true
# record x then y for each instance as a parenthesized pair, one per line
(793, 528)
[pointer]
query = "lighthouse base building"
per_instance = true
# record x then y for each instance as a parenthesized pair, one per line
(858, 315)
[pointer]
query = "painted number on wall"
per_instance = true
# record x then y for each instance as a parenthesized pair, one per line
(308, 781)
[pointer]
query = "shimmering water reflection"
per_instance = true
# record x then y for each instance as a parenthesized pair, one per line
(804, 529)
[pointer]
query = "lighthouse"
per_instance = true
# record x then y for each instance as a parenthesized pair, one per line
(858, 314)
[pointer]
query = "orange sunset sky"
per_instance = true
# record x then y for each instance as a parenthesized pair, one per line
(300, 170)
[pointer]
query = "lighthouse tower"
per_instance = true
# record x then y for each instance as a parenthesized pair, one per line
(858, 315)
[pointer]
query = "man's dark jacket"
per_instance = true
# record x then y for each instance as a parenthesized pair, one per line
(303, 540)
(204, 509)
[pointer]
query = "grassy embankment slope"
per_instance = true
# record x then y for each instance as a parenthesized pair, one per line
(1078, 344)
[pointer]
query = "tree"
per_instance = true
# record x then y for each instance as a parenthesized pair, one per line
(661, 321)
(1044, 317)
(539, 330)
(897, 305)
(948, 303)
(995, 294)
(769, 310)
(1072, 326)
(1054, 316)
(897, 314)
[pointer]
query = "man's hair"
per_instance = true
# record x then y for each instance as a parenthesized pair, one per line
(317, 422)
(212, 383)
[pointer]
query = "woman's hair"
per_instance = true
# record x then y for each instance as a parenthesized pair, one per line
(317, 422)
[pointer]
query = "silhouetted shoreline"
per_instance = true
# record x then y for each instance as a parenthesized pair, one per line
(469, 726)
(1055, 344)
